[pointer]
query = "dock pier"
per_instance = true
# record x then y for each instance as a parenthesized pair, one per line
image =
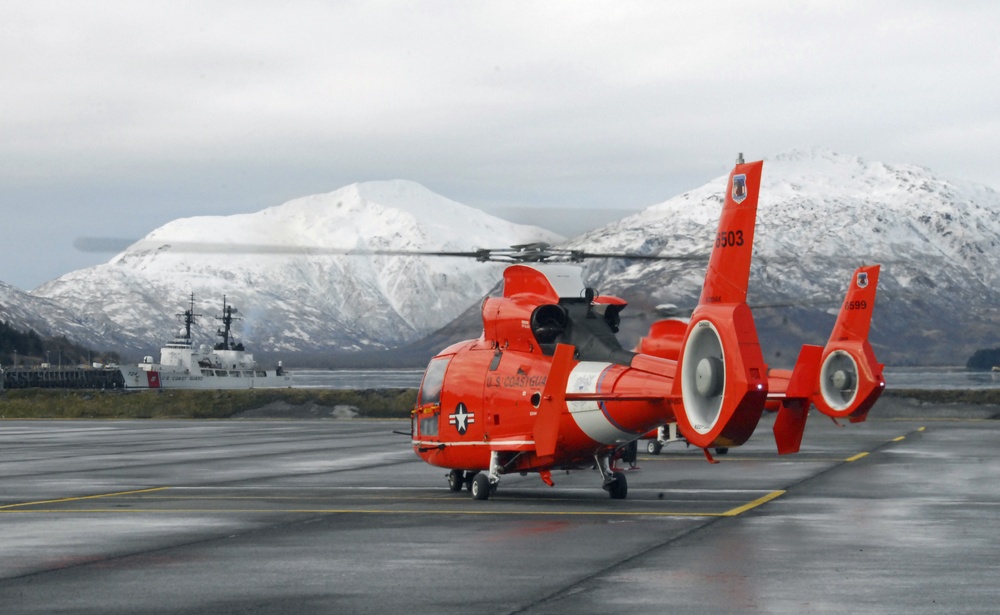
(61, 378)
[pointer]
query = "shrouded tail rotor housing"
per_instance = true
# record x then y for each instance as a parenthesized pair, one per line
(850, 380)
(722, 385)
(704, 376)
(839, 380)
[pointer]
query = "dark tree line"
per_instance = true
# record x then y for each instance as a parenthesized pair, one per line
(32, 349)
(984, 359)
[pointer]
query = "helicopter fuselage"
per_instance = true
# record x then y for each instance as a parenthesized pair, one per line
(511, 392)
(493, 401)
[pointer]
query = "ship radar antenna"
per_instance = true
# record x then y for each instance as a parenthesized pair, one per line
(188, 318)
(227, 318)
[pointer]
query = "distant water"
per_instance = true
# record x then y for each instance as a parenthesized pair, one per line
(925, 378)
(939, 378)
(357, 378)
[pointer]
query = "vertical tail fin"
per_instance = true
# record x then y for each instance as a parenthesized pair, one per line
(728, 274)
(850, 376)
(855, 317)
(721, 373)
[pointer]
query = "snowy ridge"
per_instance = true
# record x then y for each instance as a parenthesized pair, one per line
(821, 215)
(294, 302)
(46, 317)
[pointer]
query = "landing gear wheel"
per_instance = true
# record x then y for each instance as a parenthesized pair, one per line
(481, 488)
(456, 480)
(618, 489)
(654, 447)
(721, 451)
(469, 479)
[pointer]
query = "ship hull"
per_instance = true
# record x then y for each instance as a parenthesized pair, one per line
(136, 378)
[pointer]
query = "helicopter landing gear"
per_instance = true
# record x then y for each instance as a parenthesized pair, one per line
(664, 435)
(630, 454)
(614, 482)
(618, 489)
(485, 484)
(456, 480)
(481, 487)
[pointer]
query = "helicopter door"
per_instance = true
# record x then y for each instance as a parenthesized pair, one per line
(429, 398)
(490, 392)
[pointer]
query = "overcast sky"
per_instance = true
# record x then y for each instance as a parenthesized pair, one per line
(117, 117)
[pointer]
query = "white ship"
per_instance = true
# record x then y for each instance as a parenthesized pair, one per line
(227, 365)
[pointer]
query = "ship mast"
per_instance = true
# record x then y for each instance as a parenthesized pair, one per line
(227, 318)
(188, 318)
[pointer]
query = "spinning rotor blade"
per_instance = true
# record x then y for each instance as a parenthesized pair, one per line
(115, 244)
(526, 253)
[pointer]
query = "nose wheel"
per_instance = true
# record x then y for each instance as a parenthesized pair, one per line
(481, 484)
(481, 487)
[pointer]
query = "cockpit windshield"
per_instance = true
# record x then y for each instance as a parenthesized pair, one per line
(430, 388)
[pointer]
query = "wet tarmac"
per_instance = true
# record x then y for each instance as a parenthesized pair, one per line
(890, 516)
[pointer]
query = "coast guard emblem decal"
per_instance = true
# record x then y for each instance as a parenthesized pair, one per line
(863, 279)
(739, 188)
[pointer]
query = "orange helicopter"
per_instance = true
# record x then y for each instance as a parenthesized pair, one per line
(842, 379)
(548, 386)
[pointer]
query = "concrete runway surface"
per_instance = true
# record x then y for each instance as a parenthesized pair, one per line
(890, 516)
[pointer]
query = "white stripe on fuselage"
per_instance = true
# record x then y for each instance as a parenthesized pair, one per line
(589, 416)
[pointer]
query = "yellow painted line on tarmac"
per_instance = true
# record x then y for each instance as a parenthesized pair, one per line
(377, 511)
(897, 439)
(739, 510)
(83, 497)
(13, 509)
(29, 507)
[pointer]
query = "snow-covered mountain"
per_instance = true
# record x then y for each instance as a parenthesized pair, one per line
(300, 302)
(820, 215)
(46, 317)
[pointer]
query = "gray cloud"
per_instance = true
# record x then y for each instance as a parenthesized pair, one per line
(120, 116)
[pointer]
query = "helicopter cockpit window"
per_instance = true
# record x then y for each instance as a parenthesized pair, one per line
(428, 425)
(430, 388)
